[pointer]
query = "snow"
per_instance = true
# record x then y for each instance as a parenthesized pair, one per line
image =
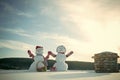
(66, 75)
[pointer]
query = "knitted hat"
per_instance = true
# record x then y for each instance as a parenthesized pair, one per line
(39, 47)
(39, 50)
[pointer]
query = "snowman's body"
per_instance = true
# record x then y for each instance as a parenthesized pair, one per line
(38, 63)
(60, 64)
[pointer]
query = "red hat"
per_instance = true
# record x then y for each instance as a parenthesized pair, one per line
(39, 47)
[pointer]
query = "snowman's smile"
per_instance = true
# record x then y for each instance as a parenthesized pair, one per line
(62, 52)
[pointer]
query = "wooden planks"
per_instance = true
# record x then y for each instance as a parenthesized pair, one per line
(106, 62)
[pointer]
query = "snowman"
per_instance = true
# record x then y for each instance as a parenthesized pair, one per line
(60, 64)
(39, 64)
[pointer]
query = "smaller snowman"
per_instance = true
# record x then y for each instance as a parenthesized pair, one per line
(40, 62)
(60, 64)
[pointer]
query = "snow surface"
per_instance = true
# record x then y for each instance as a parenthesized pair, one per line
(67, 75)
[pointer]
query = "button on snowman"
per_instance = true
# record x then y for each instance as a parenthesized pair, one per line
(60, 64)
(39, 63)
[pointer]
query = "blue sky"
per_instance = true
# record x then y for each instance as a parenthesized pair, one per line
(84, 26)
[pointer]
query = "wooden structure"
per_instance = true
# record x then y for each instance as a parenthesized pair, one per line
(106, 62)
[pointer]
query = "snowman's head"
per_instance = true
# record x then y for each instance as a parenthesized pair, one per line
(39, 50)
(61, 49)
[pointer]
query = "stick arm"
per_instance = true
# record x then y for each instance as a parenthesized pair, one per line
(52, 54)
(30, 54)
(70, 53)
(47, 57)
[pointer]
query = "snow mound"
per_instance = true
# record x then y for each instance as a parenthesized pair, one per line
(67, 75)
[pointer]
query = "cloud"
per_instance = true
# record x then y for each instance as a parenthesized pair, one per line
(40, 35)
(17, 31)
(25, 14)
(77, 12)
(91, 20)
(37, 35)
(46, 10)
(96, 23)
(95, 26)
(10, 9)
(15, 45)
(99, 37)
(109, 4)
(7, 7)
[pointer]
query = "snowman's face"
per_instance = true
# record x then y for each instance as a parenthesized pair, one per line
(61, 49)
(39, 51)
